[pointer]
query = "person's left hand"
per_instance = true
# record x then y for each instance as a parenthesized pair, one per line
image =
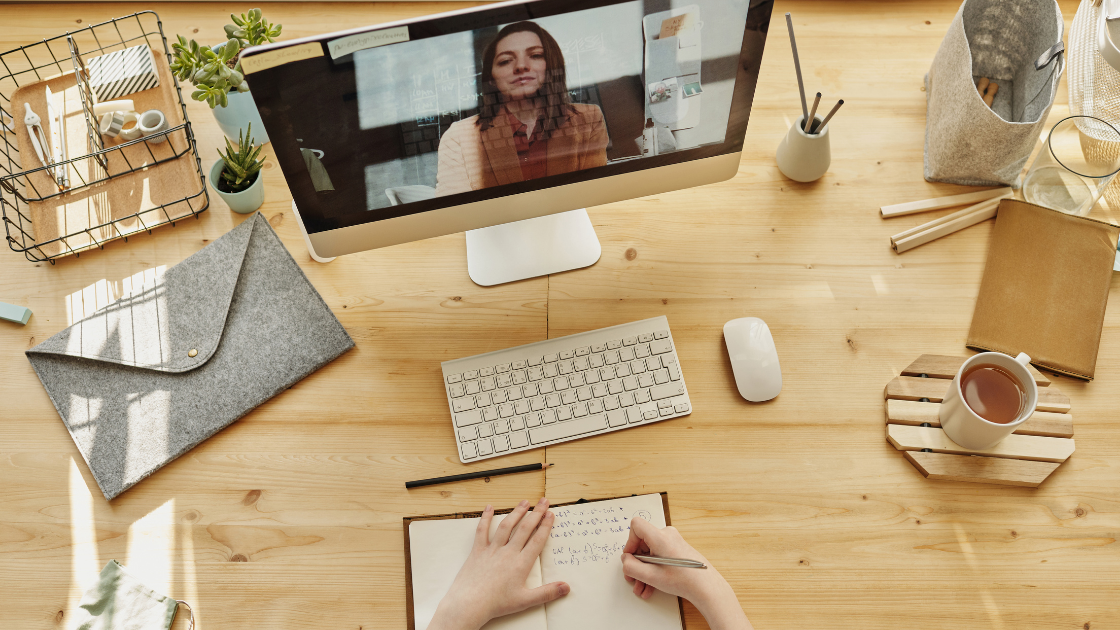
(492, 580)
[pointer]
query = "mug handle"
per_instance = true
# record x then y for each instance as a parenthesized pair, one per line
(1023, 359)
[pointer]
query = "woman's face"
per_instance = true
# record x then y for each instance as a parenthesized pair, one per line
(519, 66)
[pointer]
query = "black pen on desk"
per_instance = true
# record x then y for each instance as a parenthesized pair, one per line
(672, 562)
(475, 475)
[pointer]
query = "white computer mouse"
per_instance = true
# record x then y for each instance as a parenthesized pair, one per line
(753, 358)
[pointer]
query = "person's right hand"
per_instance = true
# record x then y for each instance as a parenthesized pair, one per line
(705, 588)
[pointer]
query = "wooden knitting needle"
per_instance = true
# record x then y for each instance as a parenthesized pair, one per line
(925, 205)
(812, 113)
(946, 225)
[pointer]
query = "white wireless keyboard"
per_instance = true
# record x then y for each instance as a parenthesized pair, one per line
(563, 389)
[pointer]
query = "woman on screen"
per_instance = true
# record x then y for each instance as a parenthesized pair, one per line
(526, 128)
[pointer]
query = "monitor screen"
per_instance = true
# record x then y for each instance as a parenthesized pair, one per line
(454, 109)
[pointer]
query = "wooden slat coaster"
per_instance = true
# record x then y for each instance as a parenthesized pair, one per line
(1025, 458)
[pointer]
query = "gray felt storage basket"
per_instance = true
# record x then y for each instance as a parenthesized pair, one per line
(1013, 43)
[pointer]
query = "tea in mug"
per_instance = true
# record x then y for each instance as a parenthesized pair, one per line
(993, 393)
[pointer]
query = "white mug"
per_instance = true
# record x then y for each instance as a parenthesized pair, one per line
(964, 426)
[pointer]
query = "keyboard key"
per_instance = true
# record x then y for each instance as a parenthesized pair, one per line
(567, 354)
(505, 367)
(584, 351)
(630, 383)
(468, 418)
(569, 397)
(522, 407)
(550, 370)
(596, 405)
(456, 390)
(616, 418)
(641, 396)
(666, 391)
(660, 346)
(533, 420)
(579, 410)
(484, 448)
(488, 384)
(667, 411)
(517, 423)
(529, 389)
(664, 404)
(564, 413)
(501, 444)
(520, 365)
(681, 408)
(472, 388)
(611, 357)
(591, 377)
(498, 396)
(661, 376)
(518, 439)
(486, 372)
(661, 334)
(646, 380)
(566, 366)
(645, 337)
(513, 393)
(483, 400)
(648, 407)
(626, 399)
(599, 389)
(535, 374)
(501, 426)
(611, 403)
(546, 387)
(548, 416)
(550, 358)
(485, 430)
(606, 373)
(537, 403)
(650, 415)
(567, 429)
(468, 434)
(653, 364)
(560, 384)
(584, 393)
(504, 380)
(581, 364)
(469, 451)
(599, 347)
(629, 341)
(455, 378)
(634, 415)
(674, 371)
(614, 345)
(464, 404)
(470, 376)
(641, 351)
(626, 354)
(576, 380)
(595, 361)
(615, 386)
(552, 400)
(519, 377)
(505, 411)
(535, 361)
(637, 367)
(622, 370)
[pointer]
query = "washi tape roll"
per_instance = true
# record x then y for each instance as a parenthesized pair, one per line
(130, 130)
(108, 107)
(111, 124)
(152, 122)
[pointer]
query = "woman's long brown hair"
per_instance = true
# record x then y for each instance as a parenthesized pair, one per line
(553, 95)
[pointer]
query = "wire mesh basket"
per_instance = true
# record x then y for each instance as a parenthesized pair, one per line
(97, 175)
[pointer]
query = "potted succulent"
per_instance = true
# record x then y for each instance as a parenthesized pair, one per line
(215, 72)
(237, 178)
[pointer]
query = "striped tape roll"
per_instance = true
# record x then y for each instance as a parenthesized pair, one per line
(111, 124)
(122, 73)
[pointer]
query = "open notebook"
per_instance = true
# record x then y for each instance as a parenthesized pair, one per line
(584, 550)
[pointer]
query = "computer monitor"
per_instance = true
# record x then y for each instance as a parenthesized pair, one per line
(514, 115)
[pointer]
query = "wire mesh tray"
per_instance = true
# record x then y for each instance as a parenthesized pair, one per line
(113, 191)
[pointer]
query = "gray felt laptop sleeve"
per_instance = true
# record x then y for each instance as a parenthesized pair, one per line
(149, 377)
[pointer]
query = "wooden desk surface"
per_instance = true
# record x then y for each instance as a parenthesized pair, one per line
(291, 518)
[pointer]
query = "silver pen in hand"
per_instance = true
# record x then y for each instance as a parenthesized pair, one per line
(672, 562)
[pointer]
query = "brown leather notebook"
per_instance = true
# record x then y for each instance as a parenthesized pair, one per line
(585, 534)
(1045, 288)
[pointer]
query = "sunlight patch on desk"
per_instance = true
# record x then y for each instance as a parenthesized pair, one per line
(151, 547)
(84, 563)
(881, 287)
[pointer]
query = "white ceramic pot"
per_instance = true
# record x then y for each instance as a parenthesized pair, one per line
(245, 202)
(804, 157)
(240, 110)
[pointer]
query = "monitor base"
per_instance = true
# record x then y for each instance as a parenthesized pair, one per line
(306, 240)
(530, 248)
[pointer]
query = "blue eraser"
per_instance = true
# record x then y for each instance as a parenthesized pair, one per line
(12, 313)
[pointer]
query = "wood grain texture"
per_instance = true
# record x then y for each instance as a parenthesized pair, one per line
(799, 502)
(917, 413)
(995, 470)
(915, 388)
(1014, 446)
(943, 366)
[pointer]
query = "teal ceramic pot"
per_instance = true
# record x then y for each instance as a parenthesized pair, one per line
(240, 110)
(245, 202)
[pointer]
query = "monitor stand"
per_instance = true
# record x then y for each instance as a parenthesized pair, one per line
(307, 239)
(531, 248)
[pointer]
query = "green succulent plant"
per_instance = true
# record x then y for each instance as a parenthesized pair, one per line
(242, 165)
(214, 73)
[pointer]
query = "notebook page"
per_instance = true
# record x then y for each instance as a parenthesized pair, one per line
(439, 549)
(585, 550)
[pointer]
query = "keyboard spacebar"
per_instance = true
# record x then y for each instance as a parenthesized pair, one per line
(568, 429)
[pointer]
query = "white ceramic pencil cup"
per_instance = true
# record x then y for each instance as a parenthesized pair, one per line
(804, 157)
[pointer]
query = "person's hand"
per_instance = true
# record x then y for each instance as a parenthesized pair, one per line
(492, 580)
(705, 588)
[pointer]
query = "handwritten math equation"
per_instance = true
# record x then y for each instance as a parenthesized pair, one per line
(576, 522)
(589, 553)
